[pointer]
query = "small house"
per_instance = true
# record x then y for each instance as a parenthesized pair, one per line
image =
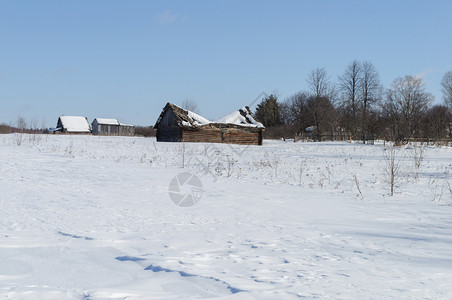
(103, 126)
(176, 124)
(126, 129)
(73, 124)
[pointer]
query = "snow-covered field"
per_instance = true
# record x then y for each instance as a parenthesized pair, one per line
(86, 217)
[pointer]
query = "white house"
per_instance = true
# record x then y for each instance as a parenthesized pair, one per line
(73, 124)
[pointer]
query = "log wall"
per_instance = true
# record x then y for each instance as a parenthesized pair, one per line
(204, 135)
(223, 134)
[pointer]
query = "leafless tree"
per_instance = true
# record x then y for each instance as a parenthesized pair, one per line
(190, 105)
(360, 90)
(406, 103)
(21, 123)
(419, 153)
(437, 122)
(446, 85)
(322, 90)
(323, 113)
(371, 91)
(297, 115)
(33, 124)
(392, 167)
(350, 87)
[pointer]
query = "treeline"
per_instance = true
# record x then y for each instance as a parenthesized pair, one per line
(21, 126)
(5, 129)
(145, 131)
(356, 106)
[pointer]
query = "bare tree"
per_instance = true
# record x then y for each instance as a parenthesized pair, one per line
(371, 91)
(322, 89)
(21, 123)
(298, 115)
(190, 105)
(360, 90)
(406, 103)
(446, 85)
(323, 112)
(287, 128)
(392, 167)
(350, 86)
(33, 124)
(418, 155)
(437, 122)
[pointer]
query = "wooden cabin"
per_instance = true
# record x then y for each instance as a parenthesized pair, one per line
(176, 124)
(103, 126)
(73, 125)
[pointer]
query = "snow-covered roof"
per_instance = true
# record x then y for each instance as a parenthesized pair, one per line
(197, 119)
(186, 118)
(183, 117)
(106, 121)
(240, 117)
(75, 124)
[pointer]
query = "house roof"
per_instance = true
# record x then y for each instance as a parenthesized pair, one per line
(75, 124)
(105, 121)
(240, 117)
(183, 117)
(186, 118)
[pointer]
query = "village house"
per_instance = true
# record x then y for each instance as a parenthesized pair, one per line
(73, 125)
(176, 124)
(103, 126)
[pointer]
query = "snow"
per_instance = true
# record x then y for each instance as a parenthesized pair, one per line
(89, 217)
(197, 119)
(107, 121)
(234, 118)
(75, 124)
(237, 119)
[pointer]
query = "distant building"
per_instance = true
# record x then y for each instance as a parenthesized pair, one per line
(176, 124)
(73, 124)
(103, 126)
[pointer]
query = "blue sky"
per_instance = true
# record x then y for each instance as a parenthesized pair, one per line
(126, 59)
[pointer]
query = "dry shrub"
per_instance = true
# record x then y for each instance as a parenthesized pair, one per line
(145, 131)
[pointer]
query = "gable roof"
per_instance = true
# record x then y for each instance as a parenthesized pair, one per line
(183, 117)
(74, 123)
(186, 118)
(105, 121)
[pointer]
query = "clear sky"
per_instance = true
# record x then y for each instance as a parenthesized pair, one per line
(126, 59)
